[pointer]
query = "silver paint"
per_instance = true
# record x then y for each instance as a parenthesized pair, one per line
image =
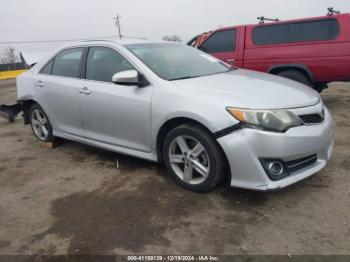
(127, 119)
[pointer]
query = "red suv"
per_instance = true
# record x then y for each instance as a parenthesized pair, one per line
(314, 51)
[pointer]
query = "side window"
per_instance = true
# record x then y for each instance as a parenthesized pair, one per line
(321, 30)
(67, 63)
(47, 69)
(222, 41)
(317, 31)
(103, 62)
(277, 34)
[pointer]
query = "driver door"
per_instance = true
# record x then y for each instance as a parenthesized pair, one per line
(114, 114)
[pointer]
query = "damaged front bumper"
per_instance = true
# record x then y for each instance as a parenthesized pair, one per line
(10, 112)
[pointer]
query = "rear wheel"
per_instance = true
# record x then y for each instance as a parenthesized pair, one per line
(40, 124)
(301, 78)
(296, 76)
(193, 158)
(320, 87)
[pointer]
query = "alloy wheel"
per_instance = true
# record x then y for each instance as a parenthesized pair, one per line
(189, 159)
(40, 124)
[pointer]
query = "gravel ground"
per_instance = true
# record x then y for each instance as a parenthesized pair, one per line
(74, 200)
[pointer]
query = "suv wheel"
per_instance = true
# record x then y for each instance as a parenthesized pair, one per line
(193, 158)
(296, 76)
(40, 124)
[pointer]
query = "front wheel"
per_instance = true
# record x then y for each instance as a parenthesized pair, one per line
(40, 124)
(193, 158)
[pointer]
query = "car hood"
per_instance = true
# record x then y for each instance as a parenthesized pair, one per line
(249, 89)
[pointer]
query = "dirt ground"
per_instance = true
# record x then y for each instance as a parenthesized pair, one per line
(74, 200)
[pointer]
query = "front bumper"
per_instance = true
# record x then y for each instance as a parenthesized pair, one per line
(244, 148)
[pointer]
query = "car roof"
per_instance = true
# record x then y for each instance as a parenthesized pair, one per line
(284, 21)
(122, 42)
(92, 42)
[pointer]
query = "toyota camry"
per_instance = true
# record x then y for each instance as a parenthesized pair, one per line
(171, 103)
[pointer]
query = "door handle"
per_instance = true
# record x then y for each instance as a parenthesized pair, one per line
(230, 61)
(39, 84)
(85, 91)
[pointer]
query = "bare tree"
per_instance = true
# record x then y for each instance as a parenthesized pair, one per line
(172, 38)
(9, 56)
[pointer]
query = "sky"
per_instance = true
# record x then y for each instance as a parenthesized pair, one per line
(35, 20)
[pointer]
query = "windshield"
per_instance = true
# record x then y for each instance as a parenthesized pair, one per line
(176, 61)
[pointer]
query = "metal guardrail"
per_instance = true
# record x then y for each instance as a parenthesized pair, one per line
(11, 74)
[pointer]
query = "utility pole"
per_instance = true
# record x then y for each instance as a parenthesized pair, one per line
(117, 23)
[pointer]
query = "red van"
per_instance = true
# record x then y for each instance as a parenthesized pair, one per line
(314, 51)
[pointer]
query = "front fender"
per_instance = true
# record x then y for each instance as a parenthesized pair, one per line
(205, 111)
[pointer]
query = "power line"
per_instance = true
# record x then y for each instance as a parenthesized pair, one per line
(135, 37)
(117, 19)
(68, 40)
(117, 23)
(56, 41)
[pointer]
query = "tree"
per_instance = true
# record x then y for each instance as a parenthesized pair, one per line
(9, 56)
(172, 38)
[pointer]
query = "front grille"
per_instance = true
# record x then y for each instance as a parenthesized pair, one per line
(298, 164)
(311, 119)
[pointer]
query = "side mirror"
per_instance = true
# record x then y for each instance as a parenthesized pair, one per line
(129, 78)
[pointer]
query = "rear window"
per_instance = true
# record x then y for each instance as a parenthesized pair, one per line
(222, 41)
(321, 30)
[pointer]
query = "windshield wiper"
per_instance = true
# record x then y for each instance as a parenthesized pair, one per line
(182, 78)
(188, 77)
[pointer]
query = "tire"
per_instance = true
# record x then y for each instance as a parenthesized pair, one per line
(320, 87)
(296, 76)
(40, 124)
(204, 158)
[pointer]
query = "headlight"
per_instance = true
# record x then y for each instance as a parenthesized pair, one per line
(273, 120)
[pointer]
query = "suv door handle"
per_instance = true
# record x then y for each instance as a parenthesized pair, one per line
(85, 91)
(230, 61)
(39, 84)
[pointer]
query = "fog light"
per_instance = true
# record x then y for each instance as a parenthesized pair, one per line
(276, 168)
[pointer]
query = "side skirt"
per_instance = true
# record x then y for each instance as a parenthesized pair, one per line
(126, 151)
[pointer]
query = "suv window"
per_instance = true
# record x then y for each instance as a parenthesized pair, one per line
(47, 69)
(222, 41)
(321, 30)
(67, 63)
(103, 62)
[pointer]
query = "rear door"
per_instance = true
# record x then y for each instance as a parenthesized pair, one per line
(114, 114)
(57, 87)
(223, 45)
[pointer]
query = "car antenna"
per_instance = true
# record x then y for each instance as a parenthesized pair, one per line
(263, 19)
(332, 11)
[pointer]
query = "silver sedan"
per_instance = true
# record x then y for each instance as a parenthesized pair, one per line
(171, 103)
